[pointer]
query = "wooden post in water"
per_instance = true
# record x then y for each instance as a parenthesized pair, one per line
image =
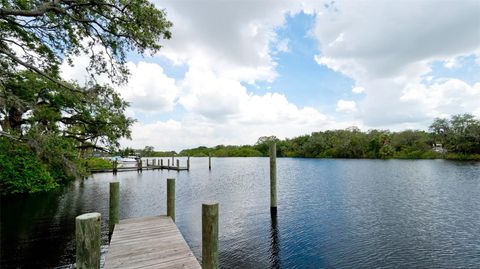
(168, 163)
(147, 162)
(188, 163)
(114, 208)
(210, 236)
(178, 165)
(173, 159)
(161, 163)
(273, 178)
(209, 161)
(88, 239)
(115, 166)
(171, 198)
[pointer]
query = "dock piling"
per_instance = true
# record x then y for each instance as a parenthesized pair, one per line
(178, 165)
(115, 166)
(188, 163)
(273, 177)
(209, 161)
(88, 238)
(210, 236)
(114, 207)
(171, 198)
(161, 163)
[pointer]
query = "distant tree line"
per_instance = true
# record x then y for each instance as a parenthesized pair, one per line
(459, 137)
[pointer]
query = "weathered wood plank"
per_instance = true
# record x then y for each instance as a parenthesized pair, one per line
(151, 242)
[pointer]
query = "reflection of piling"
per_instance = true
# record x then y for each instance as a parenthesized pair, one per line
(113, 215)
(87, 239)
(273, 177)
(209, 161)
(171, 198)
(210, 236)
(274, 243)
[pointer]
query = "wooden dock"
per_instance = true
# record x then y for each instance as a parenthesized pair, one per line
(150, 242)
(134, 168)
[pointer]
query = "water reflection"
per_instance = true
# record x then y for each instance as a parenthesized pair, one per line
(274, 242)
(333, 213)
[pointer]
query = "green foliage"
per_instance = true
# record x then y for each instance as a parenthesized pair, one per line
(93, 117)
(97, 163)
(61, 126)
(21, 170)
(461, 135)
(50, 32)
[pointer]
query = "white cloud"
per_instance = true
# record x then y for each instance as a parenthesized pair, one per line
(443, 98)
(358, 90)
(346, 106)
(232, 38)
(388, 46)
(149, 89)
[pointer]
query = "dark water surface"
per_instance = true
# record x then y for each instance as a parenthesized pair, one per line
(332, 213)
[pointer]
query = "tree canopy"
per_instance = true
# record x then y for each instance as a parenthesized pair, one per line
(39, 35)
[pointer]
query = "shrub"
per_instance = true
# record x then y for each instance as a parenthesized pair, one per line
(21, 171)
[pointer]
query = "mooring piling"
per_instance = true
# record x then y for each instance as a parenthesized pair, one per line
(209, 161)
(114, 208)
(188, 163)
(115, 166)
(161, 163)
(210, 236)
(273, 177)
(178, 165)
(88, 239)
(171, 198)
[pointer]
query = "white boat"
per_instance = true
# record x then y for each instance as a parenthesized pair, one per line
(128, 159)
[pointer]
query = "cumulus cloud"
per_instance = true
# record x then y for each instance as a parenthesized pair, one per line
(149, 89)
(358, 89)
(346, 106)
(388, 46)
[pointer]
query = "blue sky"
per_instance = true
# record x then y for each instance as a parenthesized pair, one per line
(235, 71)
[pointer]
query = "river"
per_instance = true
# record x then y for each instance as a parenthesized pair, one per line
(332, 213)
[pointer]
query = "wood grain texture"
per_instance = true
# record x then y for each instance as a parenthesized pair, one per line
(151, 242)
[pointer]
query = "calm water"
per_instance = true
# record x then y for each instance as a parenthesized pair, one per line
(332, 213)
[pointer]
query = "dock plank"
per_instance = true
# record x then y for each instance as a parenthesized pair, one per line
(151, 242)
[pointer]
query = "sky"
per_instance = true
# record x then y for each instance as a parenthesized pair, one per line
(237, 70)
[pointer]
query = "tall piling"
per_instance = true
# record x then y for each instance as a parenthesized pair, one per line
(210, 236)
(273, 177)
(87, 240)
(114, 207)
(209, 161)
